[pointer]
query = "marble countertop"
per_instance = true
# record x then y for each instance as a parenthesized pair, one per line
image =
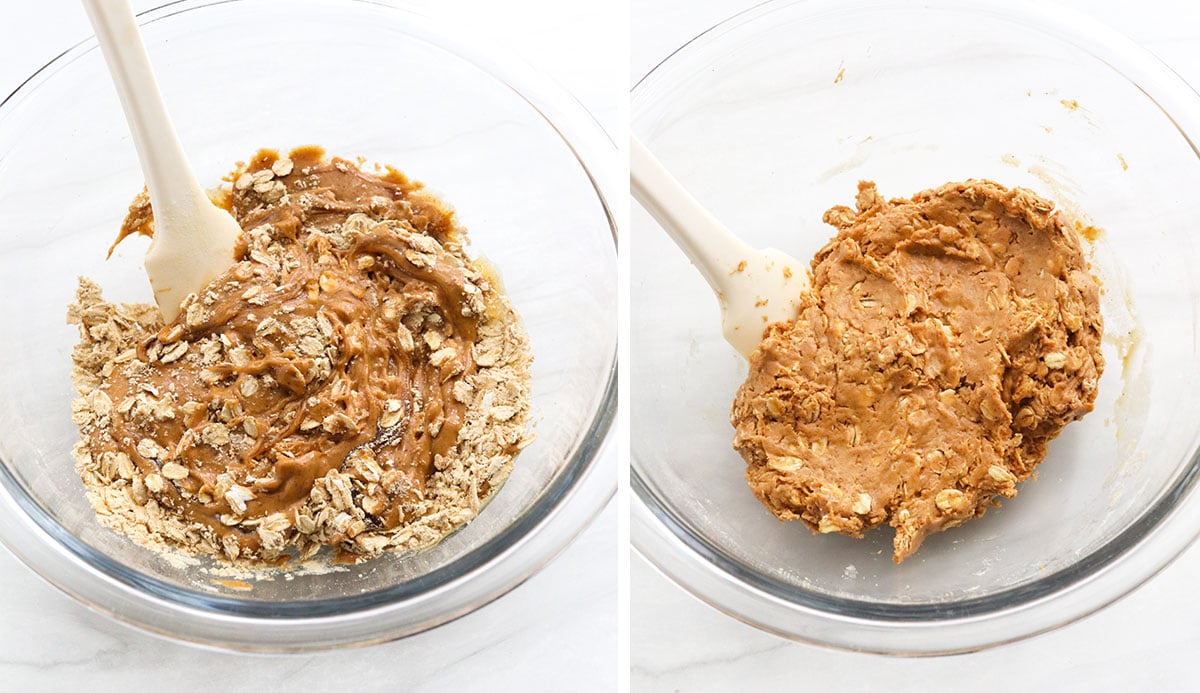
(551, 633)
(1144, 642)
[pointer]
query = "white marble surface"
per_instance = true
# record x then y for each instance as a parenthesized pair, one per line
(1145, 642)
(558, 631)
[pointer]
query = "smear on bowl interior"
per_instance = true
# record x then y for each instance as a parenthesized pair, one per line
(355, 380)
(944, 341)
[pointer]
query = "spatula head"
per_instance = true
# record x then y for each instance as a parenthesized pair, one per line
(187, 253)
(764, 289)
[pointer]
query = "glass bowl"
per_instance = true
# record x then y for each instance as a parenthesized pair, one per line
(772, 117)
(528, 172)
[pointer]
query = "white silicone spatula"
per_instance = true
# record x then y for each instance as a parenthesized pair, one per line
(754, 287)
(193, 239)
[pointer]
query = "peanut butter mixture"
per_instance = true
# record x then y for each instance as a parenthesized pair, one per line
(354, 380)
(946, 339)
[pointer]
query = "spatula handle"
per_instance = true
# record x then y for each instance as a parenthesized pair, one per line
(169, 178)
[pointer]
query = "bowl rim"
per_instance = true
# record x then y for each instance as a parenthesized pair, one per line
(1113, 570)
(571, 500)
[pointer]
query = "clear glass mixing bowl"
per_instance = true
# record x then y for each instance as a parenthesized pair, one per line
(773, 116)
(525, 166)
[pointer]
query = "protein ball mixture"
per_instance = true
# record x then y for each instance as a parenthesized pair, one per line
(946, 339)
(353, 381)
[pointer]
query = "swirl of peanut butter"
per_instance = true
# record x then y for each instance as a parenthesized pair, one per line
(334, 342)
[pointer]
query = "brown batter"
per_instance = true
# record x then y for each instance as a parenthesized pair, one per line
(944, 342)
(334, 345)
